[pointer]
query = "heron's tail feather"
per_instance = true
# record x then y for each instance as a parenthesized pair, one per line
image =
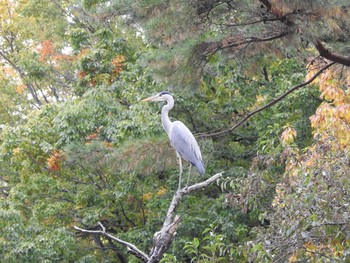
(200, 167)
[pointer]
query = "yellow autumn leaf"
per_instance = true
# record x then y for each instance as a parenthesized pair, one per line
(162, 191)
(146, 196)
(288, 135)
(16, 151)
(331, 92)
(20, 89)
(260, 99)
(293, 258)
(310, 247)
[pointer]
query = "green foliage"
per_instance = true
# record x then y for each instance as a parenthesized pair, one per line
(78, 147)
(212, 248)
(310, 212)
(32, 242)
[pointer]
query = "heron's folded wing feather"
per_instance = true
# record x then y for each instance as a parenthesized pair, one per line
(184, 142)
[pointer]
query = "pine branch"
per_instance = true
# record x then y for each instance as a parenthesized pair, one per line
(206, 49)
(277, 12)
(324, 52)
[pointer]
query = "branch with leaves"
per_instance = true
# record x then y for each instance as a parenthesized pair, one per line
(271, 103)
(163, 238)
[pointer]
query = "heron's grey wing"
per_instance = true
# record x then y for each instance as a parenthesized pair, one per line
(186, 145)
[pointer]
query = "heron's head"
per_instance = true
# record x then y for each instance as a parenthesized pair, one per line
(161, 96)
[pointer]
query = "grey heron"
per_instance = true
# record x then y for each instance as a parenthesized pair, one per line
(180, 137)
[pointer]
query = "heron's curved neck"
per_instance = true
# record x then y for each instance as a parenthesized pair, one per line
(165, 114)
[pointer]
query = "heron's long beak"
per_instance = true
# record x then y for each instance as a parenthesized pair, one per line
(152, 98)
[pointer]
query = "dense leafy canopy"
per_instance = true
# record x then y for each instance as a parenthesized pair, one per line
(77, 146)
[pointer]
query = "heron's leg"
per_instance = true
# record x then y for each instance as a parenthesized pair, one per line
(189, 174)
(180, 165)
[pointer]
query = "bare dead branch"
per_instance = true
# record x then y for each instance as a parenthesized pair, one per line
(131, 247)
(163, 238)
(185, 191)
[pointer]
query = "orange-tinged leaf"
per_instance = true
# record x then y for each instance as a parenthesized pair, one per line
(55, 159)
(343, 112)
(108, 144)
(91, 136)
(83, 53)
(45, 50)
(118, 63)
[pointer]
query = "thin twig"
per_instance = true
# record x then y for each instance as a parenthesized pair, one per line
(131, 247)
